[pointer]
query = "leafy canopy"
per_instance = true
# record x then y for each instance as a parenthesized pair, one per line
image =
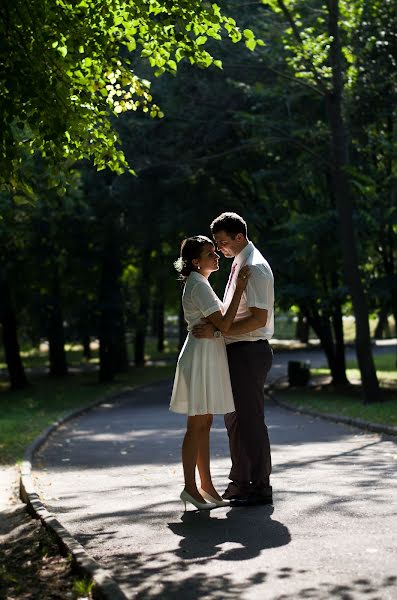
(307, 40)
(67, 65)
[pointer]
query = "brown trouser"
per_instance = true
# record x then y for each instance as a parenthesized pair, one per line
(249, 364)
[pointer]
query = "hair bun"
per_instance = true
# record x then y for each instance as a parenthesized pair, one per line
(180, 264)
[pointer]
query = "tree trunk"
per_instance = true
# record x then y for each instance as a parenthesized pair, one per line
(344, 205)
(120, 350)
(56, 336)
(340, 358)
(113, 356)
(302, 329)
(143, 310)
(8, 322)
(86, 347)
(160, 325)
(381, 324)
(395, 324)
(322, 327)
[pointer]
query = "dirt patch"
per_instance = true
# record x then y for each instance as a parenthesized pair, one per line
(31, 566)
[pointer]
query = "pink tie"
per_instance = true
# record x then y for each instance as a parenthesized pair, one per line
(230, 280)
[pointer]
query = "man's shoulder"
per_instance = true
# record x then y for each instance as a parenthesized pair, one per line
(259, 264)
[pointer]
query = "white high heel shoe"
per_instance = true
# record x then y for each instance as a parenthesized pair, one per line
(213, 500)
(185, 497)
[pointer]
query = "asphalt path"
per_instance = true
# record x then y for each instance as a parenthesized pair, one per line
(113, 476)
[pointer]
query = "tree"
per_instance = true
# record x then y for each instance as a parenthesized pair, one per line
(65, 67)
(8, 325)
(12, 231)
(374, 157)
(319, 44)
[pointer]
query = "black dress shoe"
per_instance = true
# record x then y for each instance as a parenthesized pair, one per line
(251, 500)
(235, 491)
(262, 499)
(238, 501)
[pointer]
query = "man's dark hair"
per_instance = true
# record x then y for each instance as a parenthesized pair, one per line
(229, 222)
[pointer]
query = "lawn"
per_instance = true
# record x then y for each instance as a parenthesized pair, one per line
(385, 367)
(34, 358)
(349, 403)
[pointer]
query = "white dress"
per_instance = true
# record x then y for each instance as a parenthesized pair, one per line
(202, 380)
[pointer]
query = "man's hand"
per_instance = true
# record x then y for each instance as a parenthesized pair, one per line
(203, 330)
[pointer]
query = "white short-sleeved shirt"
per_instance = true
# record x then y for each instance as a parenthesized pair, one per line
(259, 293)
(199, 299)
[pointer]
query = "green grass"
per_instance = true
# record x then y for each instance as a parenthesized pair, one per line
(34, 358)
(384, 362)
(151, 352)
(83, 586)
(25, 413)
(348, 405)
(385, 365)
(285, 328)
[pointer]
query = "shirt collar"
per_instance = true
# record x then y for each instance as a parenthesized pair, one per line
(242, 256)
(197, 275)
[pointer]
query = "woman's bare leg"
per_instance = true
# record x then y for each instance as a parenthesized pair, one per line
(203, 460)
(190, 447)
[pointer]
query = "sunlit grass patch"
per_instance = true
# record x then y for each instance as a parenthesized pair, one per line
(385, 365)
(345, 404)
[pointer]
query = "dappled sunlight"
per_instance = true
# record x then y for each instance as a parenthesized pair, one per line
(195, 539)
(113, 477)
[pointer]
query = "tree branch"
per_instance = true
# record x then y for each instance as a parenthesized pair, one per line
(290, 19)
(279, 73)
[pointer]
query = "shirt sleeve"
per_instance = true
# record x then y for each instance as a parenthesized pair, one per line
(204, 297)
(260, 288)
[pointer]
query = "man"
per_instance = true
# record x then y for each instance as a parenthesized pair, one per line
(250, 358)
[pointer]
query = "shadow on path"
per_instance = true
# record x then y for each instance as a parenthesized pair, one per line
(250, 530)
(205, 538)
(114, 477)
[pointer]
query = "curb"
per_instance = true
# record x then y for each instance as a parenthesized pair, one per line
(359, 423)
(104, 588)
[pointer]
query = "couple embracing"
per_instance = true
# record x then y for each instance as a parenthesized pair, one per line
(223, 364)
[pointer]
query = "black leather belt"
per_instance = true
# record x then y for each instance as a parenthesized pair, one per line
(244, 342)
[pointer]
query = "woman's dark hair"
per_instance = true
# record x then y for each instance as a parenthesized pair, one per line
(191, 248)
(229, 222)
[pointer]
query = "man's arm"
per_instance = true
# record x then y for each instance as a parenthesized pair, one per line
(257, 319)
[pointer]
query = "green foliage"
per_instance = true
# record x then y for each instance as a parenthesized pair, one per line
(83, 586)
(307, 40)
(251, 136)
(67, 65)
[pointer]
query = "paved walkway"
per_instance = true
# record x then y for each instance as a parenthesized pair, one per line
(113, 476)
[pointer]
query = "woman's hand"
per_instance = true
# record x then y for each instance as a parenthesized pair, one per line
(242, 278)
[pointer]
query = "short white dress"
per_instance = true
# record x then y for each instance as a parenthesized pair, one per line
(202, 380)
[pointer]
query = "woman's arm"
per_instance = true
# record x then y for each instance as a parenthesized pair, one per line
(257, 319)
(224, 322)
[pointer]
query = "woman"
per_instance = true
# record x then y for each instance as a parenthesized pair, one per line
(202, 381)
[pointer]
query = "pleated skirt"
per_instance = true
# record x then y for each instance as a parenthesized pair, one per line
(202, 380)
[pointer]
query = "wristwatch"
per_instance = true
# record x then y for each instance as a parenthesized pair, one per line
(217, 333)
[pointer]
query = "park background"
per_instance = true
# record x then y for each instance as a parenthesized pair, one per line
(127, 126)
(288, 118)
